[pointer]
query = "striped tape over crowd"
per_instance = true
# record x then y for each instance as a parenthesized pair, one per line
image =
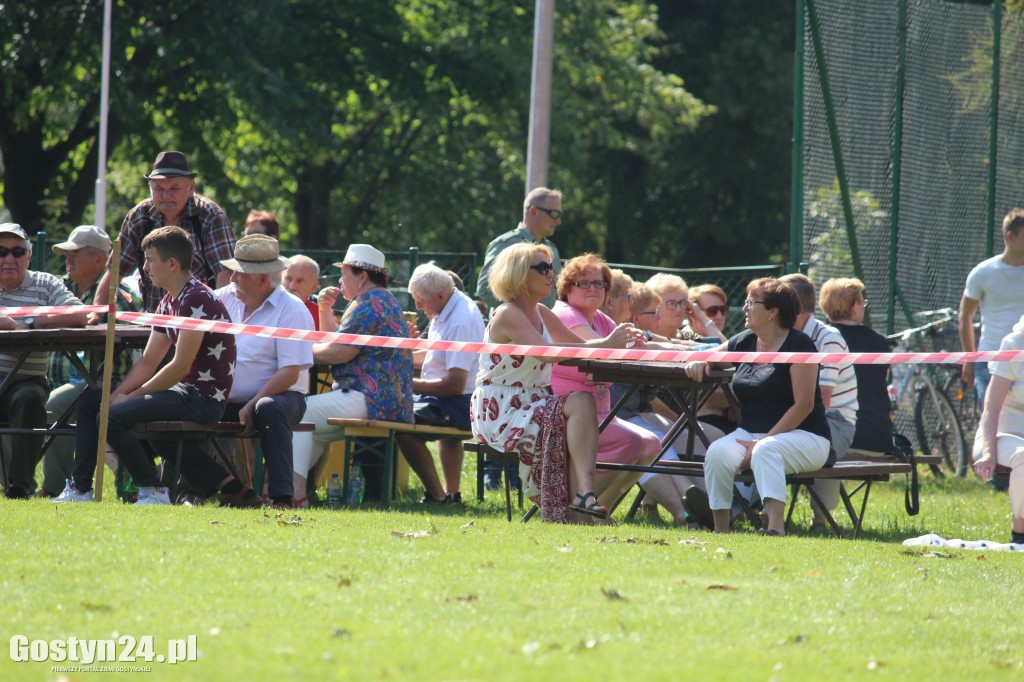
(193, 324)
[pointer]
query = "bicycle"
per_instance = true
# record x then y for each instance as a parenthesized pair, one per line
(922, 406)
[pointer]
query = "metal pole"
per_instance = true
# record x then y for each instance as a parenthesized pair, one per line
(101, 172)
(833, 133)
(993, 134)
(540, 96)
(796, 201)
(897, 163)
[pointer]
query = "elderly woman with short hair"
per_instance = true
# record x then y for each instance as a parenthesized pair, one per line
(512, 409)
(783, 429)
(618, 297)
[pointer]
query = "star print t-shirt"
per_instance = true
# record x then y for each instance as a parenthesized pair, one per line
(214, 367)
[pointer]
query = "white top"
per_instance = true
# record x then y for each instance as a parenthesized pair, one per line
(459, 321)
(260, 357)
(1000, 289)
(840, 375)
(1012, 417)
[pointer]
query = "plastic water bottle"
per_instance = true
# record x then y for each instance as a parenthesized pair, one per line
(334, 492)
(74, 376)
(356, 486)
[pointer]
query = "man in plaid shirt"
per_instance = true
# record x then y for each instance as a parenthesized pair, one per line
(173, 201)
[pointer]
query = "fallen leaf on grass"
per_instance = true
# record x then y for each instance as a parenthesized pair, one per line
(341, 632)
(468, 598)
(813, 574)
(102, 608)
(487, 564)
(467, 525)
(217, 522)
(563, 548)
(694, 542)
(875, 665)
(293, 521)
(410, 534)
(343, 581)
(721, 587)
(726, 552)
(611, 593)
(981, 557)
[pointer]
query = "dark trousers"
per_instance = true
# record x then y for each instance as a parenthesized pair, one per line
(23, 404)
(274, 417)
(180, 403)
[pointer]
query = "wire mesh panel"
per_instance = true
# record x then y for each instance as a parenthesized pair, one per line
(935, 131)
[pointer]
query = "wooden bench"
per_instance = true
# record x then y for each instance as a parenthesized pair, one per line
(484, 451)
(185, 430)
(863, 470)
(377, 438)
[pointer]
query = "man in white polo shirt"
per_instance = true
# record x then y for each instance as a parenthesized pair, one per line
(270, 386)
(446, 380)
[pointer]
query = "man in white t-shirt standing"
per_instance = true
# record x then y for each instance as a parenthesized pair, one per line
(996, 287)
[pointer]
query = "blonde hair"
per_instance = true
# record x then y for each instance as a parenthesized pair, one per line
(643, 297)
(838, 297)
(507, 278)
(662, 283)
(620, 282)
(703, 289)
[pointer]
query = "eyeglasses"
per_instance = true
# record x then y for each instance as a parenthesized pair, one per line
(649, 312)
(17, 251)
(864, 303)
(587, 284)
(713, 310)
(553, 212)
(675, 304)
(543, 268)
(751, 302)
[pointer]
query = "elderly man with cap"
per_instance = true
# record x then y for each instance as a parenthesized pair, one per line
(269, 392)
(370, 382)
(173, 201)
(86, 251)
(23, 402)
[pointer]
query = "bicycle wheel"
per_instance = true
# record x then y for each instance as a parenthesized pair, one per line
(965, 402)
(938, 429)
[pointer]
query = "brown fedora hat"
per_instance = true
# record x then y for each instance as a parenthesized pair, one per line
(170, 165)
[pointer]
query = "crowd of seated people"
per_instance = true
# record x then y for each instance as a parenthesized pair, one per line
(791, 417)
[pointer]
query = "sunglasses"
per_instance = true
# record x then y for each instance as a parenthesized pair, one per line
(587, 284)
(17, 251)
(713, 310)
(543, 268)
(553, 212)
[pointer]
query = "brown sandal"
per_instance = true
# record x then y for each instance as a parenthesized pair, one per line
(595, 508)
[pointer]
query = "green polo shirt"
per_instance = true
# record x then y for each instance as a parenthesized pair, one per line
(499, 244)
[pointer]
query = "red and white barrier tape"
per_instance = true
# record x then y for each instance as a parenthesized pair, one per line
(188, 323)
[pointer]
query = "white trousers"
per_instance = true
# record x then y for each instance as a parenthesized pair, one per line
(1009, 453)
(660, 425)
(307, 447)
(773, 458)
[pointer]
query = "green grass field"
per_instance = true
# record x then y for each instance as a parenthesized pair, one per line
(464, 595)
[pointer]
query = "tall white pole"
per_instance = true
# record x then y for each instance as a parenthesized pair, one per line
(540, 96)
(101, 171)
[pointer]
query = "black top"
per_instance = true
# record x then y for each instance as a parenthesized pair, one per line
(765, 390)
(874, 425)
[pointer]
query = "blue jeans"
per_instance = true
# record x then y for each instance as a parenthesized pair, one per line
(180, 403)
(982, 377)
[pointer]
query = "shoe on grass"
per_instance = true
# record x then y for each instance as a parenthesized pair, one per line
(698, 509)
(72, 495)
(153, 495)
(246, 498)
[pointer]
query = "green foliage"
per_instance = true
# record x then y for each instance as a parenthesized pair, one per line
(829, 254)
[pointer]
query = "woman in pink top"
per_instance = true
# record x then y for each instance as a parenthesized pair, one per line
(582, 286)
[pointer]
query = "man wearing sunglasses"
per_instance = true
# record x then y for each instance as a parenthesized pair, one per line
(23, 403)
(542, 213)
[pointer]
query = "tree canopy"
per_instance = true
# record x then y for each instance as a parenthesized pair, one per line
(404, 122)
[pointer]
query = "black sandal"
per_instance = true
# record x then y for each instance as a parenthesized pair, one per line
(595, 508)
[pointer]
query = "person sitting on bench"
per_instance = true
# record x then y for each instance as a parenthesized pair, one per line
(193, 386)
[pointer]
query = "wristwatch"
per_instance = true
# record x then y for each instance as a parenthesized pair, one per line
(30, 322)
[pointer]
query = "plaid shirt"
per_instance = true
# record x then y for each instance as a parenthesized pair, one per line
(213, 240)
(60, 367)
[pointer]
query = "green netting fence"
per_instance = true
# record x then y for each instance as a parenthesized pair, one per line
(908, 137)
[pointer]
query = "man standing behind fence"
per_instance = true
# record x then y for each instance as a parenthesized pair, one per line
(542, 213)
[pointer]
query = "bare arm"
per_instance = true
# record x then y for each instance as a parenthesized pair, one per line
(185, 351)
(968, 308)
(156, 349)
(510, 325)
(452, 383)
(995, 397)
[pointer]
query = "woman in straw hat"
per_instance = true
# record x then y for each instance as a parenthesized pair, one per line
(369, 382)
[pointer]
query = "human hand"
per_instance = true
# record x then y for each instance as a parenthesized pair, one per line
(967, 374)
(246, 415)
(326, 298)
(118, 398)
(94, 318)
(7, 323)
(749, 445)
(696, 370)
(985, 466)
(625, 335)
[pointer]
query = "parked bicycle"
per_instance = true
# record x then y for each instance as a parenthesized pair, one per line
(930, 402)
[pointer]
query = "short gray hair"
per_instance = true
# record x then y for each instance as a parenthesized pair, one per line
(306, 262)
(429, 279)
(538, 196)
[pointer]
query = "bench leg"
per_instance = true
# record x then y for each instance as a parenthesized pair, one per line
(480, 475)
(637, 501)
(825, 512)
(529, 515)
(508, 499)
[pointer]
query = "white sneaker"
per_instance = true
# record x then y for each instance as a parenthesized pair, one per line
(151, 495)
(72, 495)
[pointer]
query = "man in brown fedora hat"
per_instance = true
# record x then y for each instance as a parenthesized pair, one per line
(173, 201)
(269, 395)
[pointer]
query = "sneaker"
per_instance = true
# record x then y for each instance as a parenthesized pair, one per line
(13, 492)
(153, 495)
(72, 495)
(427, 499)
(455, 499)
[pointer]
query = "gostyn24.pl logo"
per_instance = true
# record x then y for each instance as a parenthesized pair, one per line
(123, 649)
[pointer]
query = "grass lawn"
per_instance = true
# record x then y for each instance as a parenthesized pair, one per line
(347, 595)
